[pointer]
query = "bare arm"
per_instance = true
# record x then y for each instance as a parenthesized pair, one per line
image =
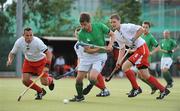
(48, 55)
(111, 41)
(10, 59)
(155, 50)
(138, 34)
(121, 54)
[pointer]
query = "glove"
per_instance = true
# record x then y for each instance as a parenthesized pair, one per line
(170, 51)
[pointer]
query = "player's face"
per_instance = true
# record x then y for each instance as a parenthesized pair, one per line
(86, 26)
(28, 36)
(146, 28)
(115, 24)
(166, 34)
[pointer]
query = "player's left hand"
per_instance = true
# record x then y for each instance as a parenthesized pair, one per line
(109, 48)
(170, 51)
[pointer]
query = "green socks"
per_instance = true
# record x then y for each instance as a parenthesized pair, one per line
(79, 88)
(167, 76)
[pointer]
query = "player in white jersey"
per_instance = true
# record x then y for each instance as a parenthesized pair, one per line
(129, 34)
(37, 61)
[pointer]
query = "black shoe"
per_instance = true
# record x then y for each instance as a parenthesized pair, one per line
(87, 89)
(162, 94)
(134, 92)
(77, 99)
(153, 90)
(103, 93)
(51, 86)
(169, 85)
(40, 95)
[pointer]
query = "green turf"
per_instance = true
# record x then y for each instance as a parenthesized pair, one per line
(118, 101)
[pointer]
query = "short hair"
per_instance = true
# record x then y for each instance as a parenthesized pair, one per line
(166, 30)
(84, 17)
(27, 29)
(148, 23)
(115, 16)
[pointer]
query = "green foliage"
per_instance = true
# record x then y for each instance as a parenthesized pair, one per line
(3, 23)
(46, 17)
(129, 10)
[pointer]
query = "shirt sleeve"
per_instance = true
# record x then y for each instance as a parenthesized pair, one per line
(154, 41)
(42, 46)
(174, 43)
(105, 29)
(15, 47)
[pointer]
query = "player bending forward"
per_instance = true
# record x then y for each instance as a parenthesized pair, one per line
(37, 61)
(129, 34)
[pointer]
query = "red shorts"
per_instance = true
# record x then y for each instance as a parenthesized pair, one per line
(34, 67)
(140, 56)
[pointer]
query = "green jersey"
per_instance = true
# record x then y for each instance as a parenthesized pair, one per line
(168, 45)
(151, 42)
(96, 36)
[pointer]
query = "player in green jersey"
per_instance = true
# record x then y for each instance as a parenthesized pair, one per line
(152, 46)
(167, 46)
(93, 59)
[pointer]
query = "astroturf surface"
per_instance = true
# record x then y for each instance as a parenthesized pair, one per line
(10, 89)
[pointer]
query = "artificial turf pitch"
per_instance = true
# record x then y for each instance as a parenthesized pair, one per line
(10, 88)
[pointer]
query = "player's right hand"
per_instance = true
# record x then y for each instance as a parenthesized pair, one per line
(9, 62)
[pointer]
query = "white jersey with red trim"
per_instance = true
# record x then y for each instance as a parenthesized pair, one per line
(33, 51)
(125, 35)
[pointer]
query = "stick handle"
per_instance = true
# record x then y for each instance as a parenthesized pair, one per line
(115, 69)
(31, 84)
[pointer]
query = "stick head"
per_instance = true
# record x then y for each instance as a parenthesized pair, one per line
(19, 98)
(109, 78)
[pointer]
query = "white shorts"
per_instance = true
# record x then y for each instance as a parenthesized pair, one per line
(166, 62)
(97, 62)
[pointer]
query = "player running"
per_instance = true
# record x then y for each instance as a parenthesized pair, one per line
(152, 46)
(37, 61)
(93, 58)
(129, 34)
(100, 81)
(167, 46)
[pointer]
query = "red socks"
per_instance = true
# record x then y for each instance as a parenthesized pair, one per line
(100, 82)
(34, 86)
(156, 83)
(131, 76)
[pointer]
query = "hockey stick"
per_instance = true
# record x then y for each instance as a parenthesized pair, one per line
(22, 94)
(91, 45)
(115, 69)
(66, 74)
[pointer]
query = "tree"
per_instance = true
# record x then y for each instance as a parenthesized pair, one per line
(129, 10)
(47, 17)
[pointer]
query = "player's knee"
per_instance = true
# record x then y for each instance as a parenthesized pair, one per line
(124, 68)
(164, 70)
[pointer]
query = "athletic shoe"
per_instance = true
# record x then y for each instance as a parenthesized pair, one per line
(103, 93)
(134, 92)
(153, 90)
(51, 86)
(77, 99)
(169, 85)
(40, 95)
(87, 89)
(164, 93)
